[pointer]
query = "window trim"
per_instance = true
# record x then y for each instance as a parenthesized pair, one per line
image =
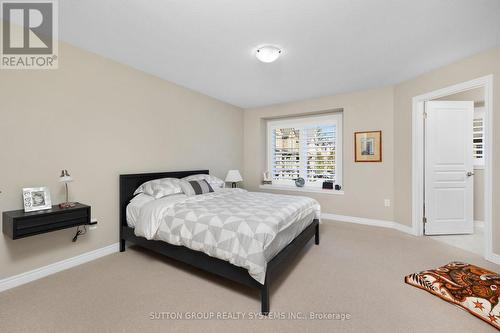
(336, 118)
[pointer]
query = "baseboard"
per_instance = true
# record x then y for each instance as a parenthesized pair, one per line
(371, 222)
(479, 224)
(493, 257)
(404, 228)
(17, 280)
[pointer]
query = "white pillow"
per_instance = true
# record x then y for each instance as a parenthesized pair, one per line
(212, 180)
(159, 188)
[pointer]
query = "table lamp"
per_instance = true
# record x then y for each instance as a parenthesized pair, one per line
(233, 177)
(66, 178)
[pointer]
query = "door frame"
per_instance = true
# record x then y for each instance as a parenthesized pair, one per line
(418, 169)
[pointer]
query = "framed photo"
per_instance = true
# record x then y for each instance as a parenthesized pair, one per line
(368, 146)
(36, 198)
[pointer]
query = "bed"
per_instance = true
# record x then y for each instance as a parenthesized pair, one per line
(286, 242)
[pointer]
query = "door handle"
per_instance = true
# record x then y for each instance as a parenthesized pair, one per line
(470, 174)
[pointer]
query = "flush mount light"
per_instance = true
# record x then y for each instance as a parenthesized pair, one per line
(268, 53)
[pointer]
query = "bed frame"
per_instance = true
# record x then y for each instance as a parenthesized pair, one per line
(129, 183)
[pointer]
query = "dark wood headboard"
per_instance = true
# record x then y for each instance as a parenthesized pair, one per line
(129, 183)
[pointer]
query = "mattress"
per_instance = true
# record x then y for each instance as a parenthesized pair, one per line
(244, 228)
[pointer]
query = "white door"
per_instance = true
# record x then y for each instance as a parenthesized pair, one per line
(449, 185)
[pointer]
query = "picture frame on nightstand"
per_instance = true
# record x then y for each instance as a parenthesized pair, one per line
(36, 198)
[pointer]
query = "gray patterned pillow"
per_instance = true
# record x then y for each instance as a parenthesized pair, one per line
(196, 187)
(212, 180)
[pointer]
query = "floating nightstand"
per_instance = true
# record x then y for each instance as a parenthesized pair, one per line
(19, 224)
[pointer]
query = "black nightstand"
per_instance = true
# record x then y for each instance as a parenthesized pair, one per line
(18, 224)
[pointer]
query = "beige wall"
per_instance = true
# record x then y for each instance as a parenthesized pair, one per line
(473, 67)
(476, 95)
(98, 119)
(365, 185)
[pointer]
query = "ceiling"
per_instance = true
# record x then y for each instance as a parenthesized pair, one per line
(329, 46)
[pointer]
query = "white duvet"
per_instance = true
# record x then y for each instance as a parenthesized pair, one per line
(245, 228)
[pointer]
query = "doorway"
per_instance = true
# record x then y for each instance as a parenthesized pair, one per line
(451, 175)
(455, 189)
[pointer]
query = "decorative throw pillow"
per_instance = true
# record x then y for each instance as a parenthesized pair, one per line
(195, 187)
(470, 287)
(159, 188)
(212, 180)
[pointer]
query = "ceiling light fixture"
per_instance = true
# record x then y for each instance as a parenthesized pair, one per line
(268, 53)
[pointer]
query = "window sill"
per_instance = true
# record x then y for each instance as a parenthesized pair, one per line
(300, 189)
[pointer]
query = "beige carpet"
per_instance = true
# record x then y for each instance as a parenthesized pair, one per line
(357, 270)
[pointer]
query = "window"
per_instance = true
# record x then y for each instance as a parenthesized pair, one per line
(478, 138)
(308, 147)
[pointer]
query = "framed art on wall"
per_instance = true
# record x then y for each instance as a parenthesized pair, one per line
(368, 146)
(36, 198)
